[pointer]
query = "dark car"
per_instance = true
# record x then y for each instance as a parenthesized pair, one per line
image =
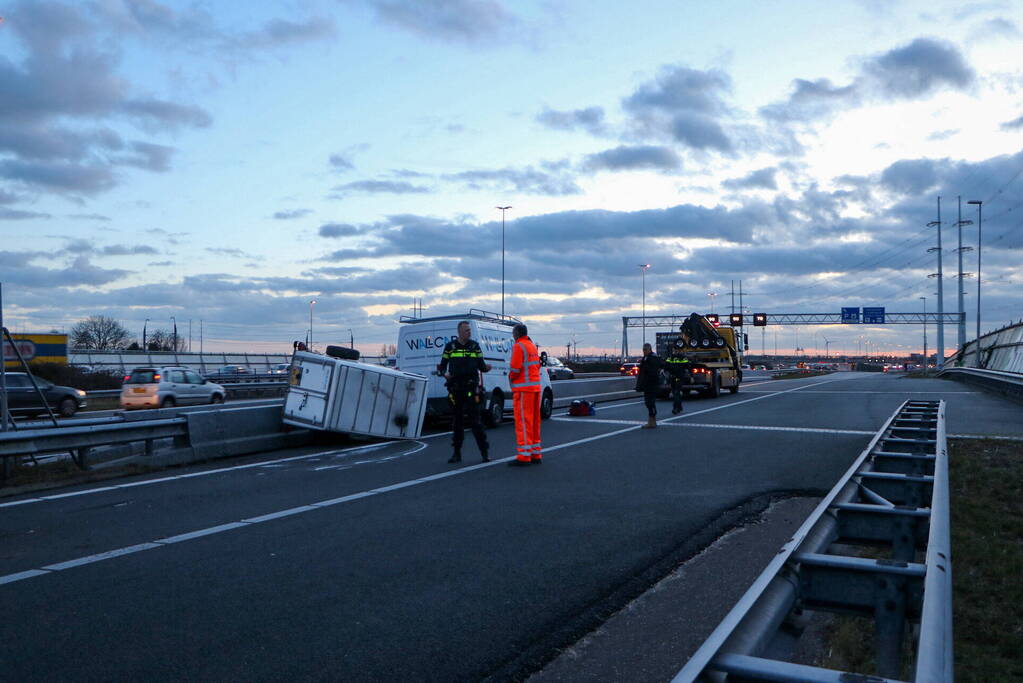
(629, 369)
(229, 372)
(23, 399)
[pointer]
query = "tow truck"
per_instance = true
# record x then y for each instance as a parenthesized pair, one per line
(715, 354)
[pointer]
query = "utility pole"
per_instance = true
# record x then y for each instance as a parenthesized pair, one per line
(980, 226)
(732, 306)
(962, 288)
(939, 356)
(200, 337)
(190, 335)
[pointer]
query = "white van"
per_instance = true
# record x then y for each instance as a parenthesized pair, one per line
(421, 342)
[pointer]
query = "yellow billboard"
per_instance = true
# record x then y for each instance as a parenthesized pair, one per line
(36, 348)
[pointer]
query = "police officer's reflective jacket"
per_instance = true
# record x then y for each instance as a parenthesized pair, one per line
(678, 367)
(464, 362)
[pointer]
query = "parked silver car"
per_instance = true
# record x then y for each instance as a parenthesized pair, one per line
(167, 387)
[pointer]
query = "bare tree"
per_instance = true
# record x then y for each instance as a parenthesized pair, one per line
(99, 332)
(163, 340)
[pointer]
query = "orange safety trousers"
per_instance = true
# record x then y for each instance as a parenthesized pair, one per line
(526, 405)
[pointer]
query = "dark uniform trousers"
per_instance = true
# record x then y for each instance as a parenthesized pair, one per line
(676, 394)
(466, 407)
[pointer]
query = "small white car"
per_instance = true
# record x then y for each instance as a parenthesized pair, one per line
(168, 387)
(558, 370)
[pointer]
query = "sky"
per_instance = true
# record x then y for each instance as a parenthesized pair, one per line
(231, 162)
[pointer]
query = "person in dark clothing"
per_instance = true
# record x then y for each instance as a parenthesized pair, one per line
(461, 364)
(648, 381)
(678, 372)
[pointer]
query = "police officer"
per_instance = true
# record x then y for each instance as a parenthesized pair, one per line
(461, 365)
(648, 380)
(678, 374)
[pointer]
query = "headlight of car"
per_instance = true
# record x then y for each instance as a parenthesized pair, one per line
(80, 393)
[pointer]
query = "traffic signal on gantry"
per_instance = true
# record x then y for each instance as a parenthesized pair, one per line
(713, 319)
(759, 319)
(735, 319)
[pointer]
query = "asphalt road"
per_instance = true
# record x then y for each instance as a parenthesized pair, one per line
(384, 562)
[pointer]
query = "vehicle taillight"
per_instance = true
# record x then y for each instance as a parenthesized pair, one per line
(156, 377)
(126, 378)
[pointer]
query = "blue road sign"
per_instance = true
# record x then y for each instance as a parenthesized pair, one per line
(850, 315)
(873, 316)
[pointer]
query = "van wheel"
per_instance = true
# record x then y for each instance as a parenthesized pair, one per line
(495, 411)
(546, 405)
(216, 398)
(168, 402)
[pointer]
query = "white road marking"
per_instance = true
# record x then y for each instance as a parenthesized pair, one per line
(890, 393)
(11, 578)
(710, 425)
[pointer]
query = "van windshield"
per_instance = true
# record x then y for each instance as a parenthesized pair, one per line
(141, 377)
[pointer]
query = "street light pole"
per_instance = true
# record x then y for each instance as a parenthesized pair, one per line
(644, 266)
(311, 302)
(924, 299)
(502, 209)
(351, 338)
(174, 337)
(980, 225)
(144, 347)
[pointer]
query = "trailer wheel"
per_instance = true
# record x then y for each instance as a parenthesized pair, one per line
(734, 390)
(715, 386)
(495, 410)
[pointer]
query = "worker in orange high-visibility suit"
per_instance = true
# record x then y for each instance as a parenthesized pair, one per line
(524, 377)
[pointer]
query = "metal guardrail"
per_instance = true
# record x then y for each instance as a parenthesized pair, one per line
(894, 496)
(80, 439)
(1007, 383)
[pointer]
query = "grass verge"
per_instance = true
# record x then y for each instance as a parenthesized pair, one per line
(986, 486)
(986, 490)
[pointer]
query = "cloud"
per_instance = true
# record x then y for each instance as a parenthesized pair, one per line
(232, 252)
(381, 187)
(59, 177)
(291, 214)
(685, 105)
(477, 22)
(160, 263)
(1015, 124)
(19, 270)
(281, 32)
(590, 119)
(912, 71)
(526, 180)
(7, 214)
(147, 156)
(124, 250)
(89, 217)
(943, 134)
(341, 162)
(910, 176)
(919, 68)
(338, 230)
(624, 158)
(761, 179)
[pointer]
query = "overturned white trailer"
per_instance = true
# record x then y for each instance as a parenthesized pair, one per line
(347, 396)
